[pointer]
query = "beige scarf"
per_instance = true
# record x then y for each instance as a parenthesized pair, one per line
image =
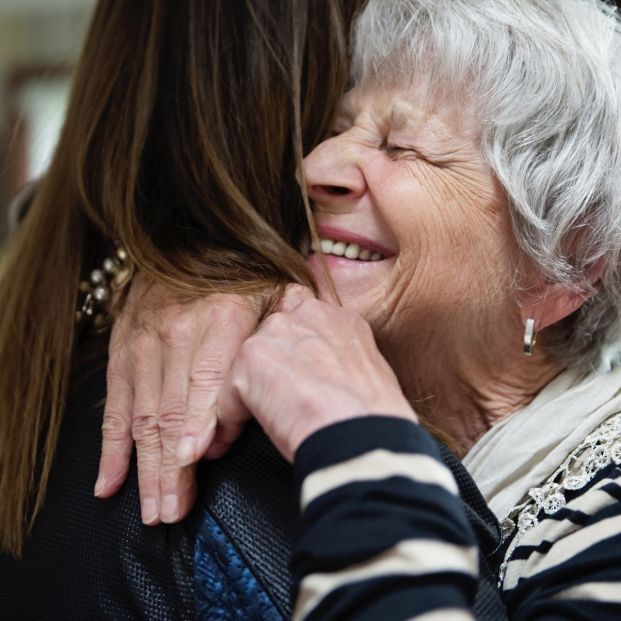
(522, 451)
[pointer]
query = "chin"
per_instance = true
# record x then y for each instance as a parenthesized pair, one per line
(359, 284)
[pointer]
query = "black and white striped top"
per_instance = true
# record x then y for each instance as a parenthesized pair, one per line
(383, 536)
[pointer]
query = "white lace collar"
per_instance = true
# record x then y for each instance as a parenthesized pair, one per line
(525, 450)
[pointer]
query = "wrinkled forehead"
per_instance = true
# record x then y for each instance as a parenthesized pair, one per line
(409, 106)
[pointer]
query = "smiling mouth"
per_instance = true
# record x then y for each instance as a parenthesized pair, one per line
(351, 251)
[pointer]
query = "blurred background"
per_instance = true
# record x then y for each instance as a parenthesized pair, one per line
(40, 41)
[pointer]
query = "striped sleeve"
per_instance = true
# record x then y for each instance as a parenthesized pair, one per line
(382, 534)
(569, 565)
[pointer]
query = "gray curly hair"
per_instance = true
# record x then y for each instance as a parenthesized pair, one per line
(544, 77)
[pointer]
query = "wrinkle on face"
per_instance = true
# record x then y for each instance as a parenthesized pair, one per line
(427, 183)
(444, 309)
(443, 170)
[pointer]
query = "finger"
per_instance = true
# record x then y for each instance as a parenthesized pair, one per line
(147, 380)
(117, 442)
(223, 440)
(231, 423)
(177, 484)
(212, 362)
(294, 296)
(232, 414)
(177, 491)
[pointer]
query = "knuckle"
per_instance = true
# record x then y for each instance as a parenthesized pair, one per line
(171, 416)
(144, 425)
(207, 374)
(180, 329)
(115, 424)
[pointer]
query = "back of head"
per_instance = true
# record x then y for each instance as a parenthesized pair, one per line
(183, 129)
(544, 77)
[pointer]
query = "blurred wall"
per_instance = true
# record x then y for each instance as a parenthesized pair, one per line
(40, 41)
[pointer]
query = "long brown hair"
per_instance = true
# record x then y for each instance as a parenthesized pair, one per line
(184, 127)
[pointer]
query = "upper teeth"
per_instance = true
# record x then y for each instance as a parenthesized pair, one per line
(349, 251)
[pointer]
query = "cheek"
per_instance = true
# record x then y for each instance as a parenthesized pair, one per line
(456, 256)
(449, 224)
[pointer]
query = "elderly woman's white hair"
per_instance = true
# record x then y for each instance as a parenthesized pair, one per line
(544, 78)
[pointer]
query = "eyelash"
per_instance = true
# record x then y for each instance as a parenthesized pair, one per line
(395, 152)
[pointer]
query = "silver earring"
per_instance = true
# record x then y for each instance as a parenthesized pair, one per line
(530, 337)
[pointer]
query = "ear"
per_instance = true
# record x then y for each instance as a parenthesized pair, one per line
(551, 305)
(552, 302)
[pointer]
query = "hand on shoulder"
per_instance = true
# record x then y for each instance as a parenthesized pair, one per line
(168, 359)
(311, 364)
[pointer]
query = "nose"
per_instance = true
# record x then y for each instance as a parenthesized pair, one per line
(332, 172)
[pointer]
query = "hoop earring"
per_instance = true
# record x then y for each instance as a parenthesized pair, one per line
(530, 337)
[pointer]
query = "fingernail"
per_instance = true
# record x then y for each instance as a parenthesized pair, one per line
(100, 485)
(150, 513)
(170, 508)
(186, 450)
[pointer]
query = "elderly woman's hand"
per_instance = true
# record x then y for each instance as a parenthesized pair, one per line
(308, 366)
(168, 359)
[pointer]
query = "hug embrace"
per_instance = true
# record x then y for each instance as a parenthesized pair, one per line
(364, 257)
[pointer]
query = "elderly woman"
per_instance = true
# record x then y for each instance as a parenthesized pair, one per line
(476, 155)
(468, 206)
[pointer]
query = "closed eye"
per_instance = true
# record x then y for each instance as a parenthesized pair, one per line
(397, 152)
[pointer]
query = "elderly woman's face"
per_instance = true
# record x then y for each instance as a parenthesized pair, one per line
(421, 232)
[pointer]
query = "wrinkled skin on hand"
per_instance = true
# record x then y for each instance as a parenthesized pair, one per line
(308, 366)
(167, 361)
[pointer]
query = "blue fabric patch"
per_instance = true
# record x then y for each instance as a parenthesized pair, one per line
(225, 588)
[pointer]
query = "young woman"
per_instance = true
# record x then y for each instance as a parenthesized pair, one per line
(183, 133)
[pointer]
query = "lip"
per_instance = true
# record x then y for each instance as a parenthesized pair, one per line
(330, 232)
